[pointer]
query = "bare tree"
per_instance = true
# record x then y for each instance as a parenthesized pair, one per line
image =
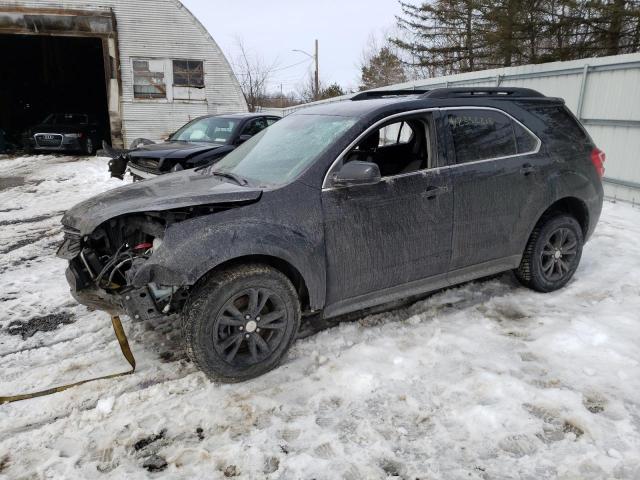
(253, 74)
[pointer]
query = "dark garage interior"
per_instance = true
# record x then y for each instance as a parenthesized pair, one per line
(50, 74)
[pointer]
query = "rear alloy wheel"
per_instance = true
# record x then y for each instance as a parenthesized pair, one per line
(239, 323)
(552, 254)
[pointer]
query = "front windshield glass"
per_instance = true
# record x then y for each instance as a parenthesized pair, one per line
(281, 152)
(210, 129)
(66, 119)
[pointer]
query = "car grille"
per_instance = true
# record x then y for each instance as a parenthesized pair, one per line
(48, 139)
(146, 163)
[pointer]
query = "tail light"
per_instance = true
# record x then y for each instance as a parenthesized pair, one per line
(598, 158)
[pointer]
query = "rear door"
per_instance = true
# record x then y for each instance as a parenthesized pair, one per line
(497, 177)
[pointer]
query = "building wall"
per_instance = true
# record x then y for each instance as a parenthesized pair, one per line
(161, 30)
(604, 93)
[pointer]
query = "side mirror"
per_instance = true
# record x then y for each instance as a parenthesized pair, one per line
(242, 139)
(357, 172)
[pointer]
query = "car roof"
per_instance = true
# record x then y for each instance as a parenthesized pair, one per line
(373, 103)
(244, 115)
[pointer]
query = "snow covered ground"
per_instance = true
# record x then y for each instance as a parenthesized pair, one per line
(484, 381)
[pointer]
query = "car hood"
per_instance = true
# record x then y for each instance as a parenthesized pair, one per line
(175, 190)
(172, 150)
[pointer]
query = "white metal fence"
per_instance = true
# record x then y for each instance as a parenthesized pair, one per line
(604, 93)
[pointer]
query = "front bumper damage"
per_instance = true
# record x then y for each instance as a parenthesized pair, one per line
(141, 302)
(148, 302)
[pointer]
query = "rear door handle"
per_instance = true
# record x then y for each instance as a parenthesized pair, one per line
(432, 192)
(528, 169)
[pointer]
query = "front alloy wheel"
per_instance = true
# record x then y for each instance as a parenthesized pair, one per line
(240, 322)
(250, 326)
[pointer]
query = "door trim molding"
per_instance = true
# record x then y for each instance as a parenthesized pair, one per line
(422, 286)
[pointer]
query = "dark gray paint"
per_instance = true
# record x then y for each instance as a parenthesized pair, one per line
(364, 245)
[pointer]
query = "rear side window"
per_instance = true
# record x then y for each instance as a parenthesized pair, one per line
(481, 135)
(486, 134)
(525, 142)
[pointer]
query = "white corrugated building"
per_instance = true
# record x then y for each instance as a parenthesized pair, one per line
(604, 93)
(145, 66)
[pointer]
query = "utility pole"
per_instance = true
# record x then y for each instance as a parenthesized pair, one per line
(317, 76)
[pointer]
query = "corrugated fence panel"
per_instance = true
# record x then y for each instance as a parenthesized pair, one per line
(613, 94)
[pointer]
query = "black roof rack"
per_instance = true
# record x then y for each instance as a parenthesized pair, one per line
(495, 92)
(387, 93)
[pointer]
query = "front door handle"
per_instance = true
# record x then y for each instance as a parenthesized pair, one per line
(528, 169)
(433, 192)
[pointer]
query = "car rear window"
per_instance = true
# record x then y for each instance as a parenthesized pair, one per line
(561, 126)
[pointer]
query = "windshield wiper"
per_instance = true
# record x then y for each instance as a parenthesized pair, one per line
(231, 176)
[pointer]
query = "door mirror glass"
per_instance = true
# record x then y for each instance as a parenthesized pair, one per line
(243, 138)
(357, 172)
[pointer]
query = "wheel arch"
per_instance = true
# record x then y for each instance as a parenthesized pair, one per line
(568, 205)
(277, 263)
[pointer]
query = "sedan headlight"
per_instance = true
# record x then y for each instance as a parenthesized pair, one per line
(73, 135)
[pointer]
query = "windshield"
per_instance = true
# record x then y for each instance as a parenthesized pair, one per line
(210, 129)
(66, 119)
(281, 152)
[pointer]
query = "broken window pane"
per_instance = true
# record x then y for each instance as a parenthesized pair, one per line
(188, 73)
(148, 81)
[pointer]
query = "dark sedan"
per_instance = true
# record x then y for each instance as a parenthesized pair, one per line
(200, 142)
(65, 132)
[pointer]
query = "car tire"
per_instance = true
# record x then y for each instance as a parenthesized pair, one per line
(240, 322)
(552, 254)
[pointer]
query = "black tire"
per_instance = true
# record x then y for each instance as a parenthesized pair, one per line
(552, 254)
(219, 317)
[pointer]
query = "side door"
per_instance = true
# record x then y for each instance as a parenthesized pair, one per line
(383, 239)
(497, 175)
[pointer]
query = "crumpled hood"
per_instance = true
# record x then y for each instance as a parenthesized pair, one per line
(172, 150)
(175, 190)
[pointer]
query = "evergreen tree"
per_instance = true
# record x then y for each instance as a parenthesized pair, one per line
(333, 90)
(382, 68)
(452, 36)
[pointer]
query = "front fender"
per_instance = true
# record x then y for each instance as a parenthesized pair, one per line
(191, 249)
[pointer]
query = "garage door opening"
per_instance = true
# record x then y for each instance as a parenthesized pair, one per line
(51, 74)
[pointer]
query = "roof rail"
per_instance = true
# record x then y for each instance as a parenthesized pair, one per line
(387, 93)
(496, 92)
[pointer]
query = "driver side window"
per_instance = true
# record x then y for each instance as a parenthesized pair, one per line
(254, 126)
(398, 147)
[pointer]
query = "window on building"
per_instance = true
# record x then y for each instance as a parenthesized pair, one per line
(481, 135)
(148, 79)
(188, 73)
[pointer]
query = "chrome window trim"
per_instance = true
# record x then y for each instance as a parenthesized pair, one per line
(326, 184)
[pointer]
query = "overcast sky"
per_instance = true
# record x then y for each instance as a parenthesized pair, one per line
(271, 29)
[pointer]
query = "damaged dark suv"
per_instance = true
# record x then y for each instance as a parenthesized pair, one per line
(338, 208)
